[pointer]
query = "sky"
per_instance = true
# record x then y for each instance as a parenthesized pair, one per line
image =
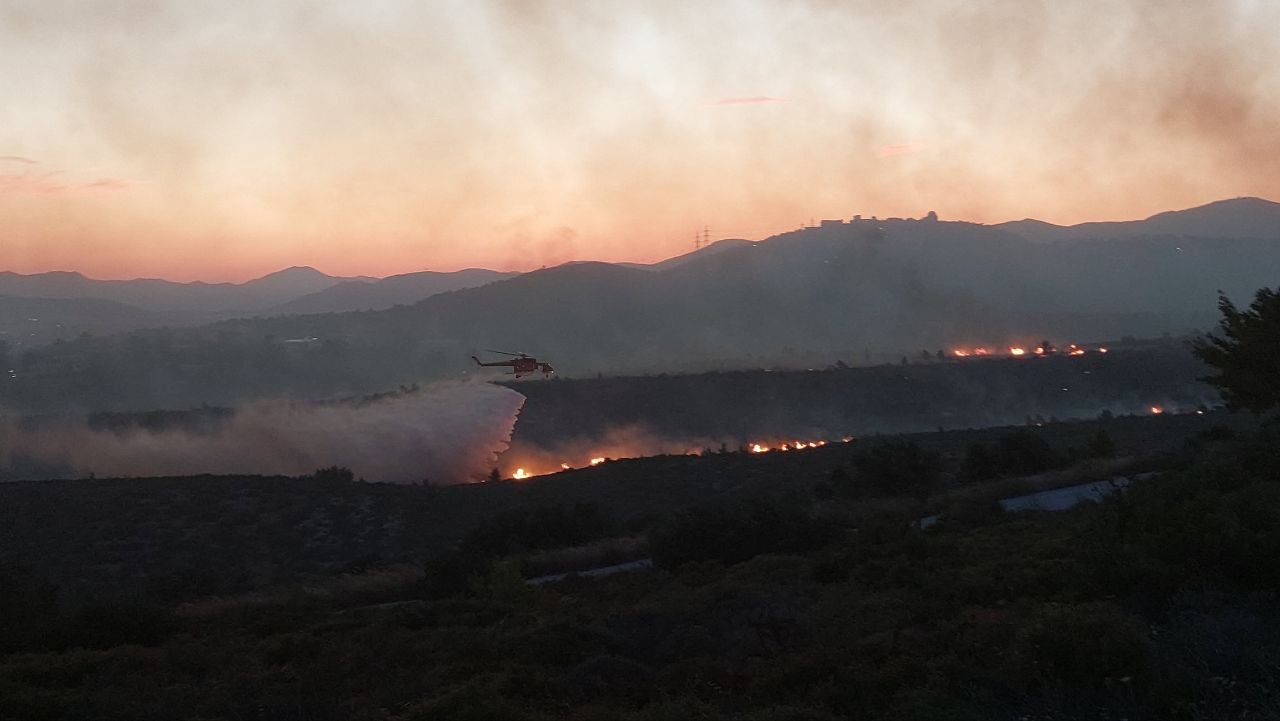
(221, 140)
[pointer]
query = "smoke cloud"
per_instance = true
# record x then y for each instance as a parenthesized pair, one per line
(449, 433)
(260, 135)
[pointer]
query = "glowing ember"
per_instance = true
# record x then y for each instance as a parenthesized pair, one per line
(1157, 410)
(597, 461)
(520, 474)
(1015, 351)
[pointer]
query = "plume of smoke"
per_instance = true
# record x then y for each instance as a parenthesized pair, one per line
(449, 433)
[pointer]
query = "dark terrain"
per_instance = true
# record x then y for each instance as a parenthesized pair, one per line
(848, 291)
(786, 584)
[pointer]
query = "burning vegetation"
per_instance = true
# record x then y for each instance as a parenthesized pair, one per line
(527, 468)
(1043, 349)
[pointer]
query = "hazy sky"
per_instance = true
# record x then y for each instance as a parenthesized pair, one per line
(221, 140)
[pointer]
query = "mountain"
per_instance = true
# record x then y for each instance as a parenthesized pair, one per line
(27, 322)
(715, 248)
(889, 287)
(387, 292)
(206, 300)
(296, 282)
(1235, 218)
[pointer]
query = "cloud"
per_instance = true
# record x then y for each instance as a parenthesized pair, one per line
(17, 159)
(52, 184)
(753, 100)
(889, 151)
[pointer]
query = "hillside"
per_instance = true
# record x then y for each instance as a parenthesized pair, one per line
(1234, 218)
(882, 288)
(26, 322)
(163, 296)
(384, 293)
(782, 585)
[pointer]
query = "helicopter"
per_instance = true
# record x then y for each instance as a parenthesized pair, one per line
(521, 364)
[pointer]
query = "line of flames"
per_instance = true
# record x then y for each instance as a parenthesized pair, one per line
(521, 473)
(1020, 351)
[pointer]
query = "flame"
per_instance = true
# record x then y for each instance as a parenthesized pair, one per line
(960, 353)
(530, 469)
(788, 446)
(1074, 349)
(1157, 410)
(981, 351)
(1102, 350)
(1016, 351)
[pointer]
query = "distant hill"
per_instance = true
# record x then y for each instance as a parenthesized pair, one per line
(296, 282)
(166, 296)
(1235, 218)
(387, 292)
(884, 288)
(26, 322)
(715, 248)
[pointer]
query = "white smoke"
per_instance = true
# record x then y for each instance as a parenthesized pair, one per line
(448, 433)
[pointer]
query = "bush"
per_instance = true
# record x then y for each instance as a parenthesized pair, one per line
(732, 534)
(334, 474)
(514, 532)
(1100, 445)
(1021, 452)
(896, 469)
(28, 605)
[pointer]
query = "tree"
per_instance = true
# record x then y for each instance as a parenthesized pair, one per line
(337, 474)
(896, 468)
(1247, 353)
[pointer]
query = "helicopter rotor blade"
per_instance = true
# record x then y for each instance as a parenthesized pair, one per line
(502, 352)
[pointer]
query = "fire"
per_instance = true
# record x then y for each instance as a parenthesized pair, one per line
(960, 353)
(1016, 351)
(1102, 350)
(531, 469)
(1157, 410)
(787, 446)
(1074, 349)
(981, 351)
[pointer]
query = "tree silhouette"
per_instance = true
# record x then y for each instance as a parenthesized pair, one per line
(1247, 353)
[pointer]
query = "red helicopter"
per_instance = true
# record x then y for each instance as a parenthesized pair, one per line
(521, 364)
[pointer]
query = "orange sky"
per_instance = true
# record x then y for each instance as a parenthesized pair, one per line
(221, 141)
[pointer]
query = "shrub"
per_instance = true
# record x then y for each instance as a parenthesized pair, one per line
(334, 474)
(1021, 452)
(735, 533)
(896, 469)
(28, 605)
